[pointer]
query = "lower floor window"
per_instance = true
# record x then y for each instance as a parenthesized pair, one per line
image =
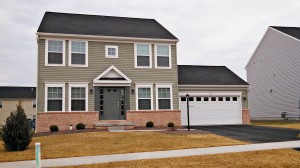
(144, 98)
(164, 98)
(78, 99)
(55, 99)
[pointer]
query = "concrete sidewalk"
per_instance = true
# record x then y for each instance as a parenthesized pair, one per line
(151, 155)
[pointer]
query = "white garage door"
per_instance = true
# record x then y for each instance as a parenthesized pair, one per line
(211, 110)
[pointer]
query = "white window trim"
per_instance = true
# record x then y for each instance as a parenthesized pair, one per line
(46, 95)
(137, 94)
(171, 94)
(86, 53)
(111, 46)
(170, 57)
(63, 54)
(135, 55)
(85, 85)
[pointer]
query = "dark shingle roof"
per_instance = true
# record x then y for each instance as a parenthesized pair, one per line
(207, 75)
(17, 92)
(292, 31)
(67, 23)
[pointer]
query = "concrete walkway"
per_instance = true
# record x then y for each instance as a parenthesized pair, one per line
(151, 155)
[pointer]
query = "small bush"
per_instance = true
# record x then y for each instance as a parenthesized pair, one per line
(53, 128)
(80, 126)
(16, 133)
(149, 124)
(170, 124)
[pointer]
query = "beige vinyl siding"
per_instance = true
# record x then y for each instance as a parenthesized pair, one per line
(221, 89)
(9, 105)
(97, 63)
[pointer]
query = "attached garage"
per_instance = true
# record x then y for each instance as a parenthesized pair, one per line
(217, 96)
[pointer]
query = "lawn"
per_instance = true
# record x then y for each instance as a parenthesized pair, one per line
(270, 158)
(279, 123)
(100, 143)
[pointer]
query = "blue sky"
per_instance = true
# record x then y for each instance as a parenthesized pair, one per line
(211, 32)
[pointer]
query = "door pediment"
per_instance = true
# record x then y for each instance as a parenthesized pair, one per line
(112, 76)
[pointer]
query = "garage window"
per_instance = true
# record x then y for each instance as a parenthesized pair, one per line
(205, 98)
(227, 98)
(191, 98)
(220, 98)
(183, 98)
(213, 98)
(198, 98)
(234, 98)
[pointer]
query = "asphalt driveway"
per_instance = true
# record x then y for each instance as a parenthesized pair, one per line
(254, 134)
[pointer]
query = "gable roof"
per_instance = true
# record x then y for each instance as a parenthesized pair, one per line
(17, 92)
(292, 31)
(207, 75)
(81, 24)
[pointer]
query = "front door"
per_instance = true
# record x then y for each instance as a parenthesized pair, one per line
(112, 103)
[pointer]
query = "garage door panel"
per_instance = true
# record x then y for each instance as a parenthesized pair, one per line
(212, 112)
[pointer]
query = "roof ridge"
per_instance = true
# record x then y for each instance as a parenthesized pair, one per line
(81, 14)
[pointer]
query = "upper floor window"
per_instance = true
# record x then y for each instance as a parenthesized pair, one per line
(143, 56)
(111, 51)
(78, 53)
(55, 55)
(163, 56)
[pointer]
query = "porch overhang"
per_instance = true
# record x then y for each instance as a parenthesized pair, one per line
(112, 76)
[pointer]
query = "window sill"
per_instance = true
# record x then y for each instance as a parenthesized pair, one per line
(75, 65)
(54, 64)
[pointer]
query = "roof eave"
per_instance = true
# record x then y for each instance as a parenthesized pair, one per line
(98, 37)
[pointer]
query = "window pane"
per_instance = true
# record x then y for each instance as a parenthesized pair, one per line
(144, 93)
(55, 46)
(183, 98)
(78, 92)
(112, 51)
(144, 104)
(164, 104)
(220, 98)
(163, 61)
(143, 61)
(78, 59)
(55, 58)
(198, 98)
(77, 105)
(213, 99)
(54, 105)
(143, 49)
(162, 50)
(163, 92)
(54, 92)
(205, 98)
(78, 47)
(234, 98)
(227, 98)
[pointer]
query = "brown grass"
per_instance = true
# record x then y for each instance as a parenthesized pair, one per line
(265, 159)
(279, 124)
(99, 143)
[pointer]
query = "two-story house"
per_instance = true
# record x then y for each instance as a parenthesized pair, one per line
(93, 68)
(102, 69)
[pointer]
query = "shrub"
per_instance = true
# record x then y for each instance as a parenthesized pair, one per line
(16, 133)
(53, 128)
(170, 124)
(149, 124)
(80, 126)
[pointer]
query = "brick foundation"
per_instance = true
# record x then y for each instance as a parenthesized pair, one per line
(159, 117)
(64, 119)
(246, 117)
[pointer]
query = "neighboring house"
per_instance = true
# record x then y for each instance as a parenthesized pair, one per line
(217, 96)
(10, 97)
(273, 73)
(102, 69)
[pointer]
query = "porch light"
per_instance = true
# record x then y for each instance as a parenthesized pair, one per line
(132, 91)
(91, 91)
(188, 109)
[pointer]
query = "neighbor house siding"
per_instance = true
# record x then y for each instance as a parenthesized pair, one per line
(9, 105)
(274, 74)
(220, 89)
(97, 63)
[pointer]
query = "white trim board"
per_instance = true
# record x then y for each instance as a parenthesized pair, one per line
(97, 82)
